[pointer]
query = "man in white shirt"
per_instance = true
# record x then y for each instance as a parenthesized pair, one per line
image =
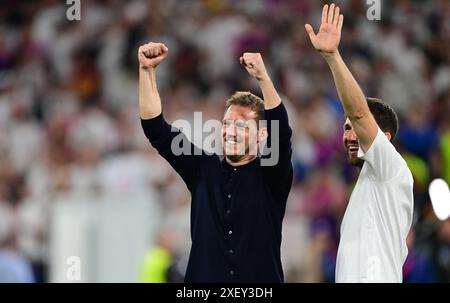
(379, 215)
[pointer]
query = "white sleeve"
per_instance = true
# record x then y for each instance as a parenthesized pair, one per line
(382, 158)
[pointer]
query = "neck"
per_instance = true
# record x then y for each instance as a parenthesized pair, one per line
(241, 162)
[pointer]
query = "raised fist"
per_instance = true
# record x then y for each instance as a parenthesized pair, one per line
(152, 54)
(254, 65)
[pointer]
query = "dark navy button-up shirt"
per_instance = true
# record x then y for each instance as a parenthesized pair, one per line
(236, 212)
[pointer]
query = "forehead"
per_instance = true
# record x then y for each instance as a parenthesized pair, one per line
(236, 112)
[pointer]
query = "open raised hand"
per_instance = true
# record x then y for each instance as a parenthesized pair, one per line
(326, 41)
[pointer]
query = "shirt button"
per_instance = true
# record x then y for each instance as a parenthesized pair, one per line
(230, 232)
(232, 272)
(235, 169)
(228, 212)
(229, 196)
(231, 251)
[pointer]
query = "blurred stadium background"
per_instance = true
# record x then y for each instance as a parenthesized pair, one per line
(79, 179)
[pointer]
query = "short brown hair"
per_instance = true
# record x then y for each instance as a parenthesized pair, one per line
(385, 116)
(247, 99)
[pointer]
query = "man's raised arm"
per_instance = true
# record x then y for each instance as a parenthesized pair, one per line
(150, 55)
(326, 41)
(279, 174)
(254, 65)
(161, 134)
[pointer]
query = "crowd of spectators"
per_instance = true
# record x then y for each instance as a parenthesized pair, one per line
(69, 121)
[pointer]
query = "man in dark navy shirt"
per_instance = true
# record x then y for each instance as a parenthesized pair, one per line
(239, 201)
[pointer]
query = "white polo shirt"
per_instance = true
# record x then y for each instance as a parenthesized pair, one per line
(377, 219)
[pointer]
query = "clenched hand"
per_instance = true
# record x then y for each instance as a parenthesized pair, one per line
(152, 54)
(254, 65)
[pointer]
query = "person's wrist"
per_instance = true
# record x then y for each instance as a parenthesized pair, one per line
(147, 68)
(330, 57)
(263, 78)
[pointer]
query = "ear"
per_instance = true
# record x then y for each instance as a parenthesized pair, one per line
(388, 135)
(262, 134)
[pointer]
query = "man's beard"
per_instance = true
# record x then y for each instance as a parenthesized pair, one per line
(237, 158)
